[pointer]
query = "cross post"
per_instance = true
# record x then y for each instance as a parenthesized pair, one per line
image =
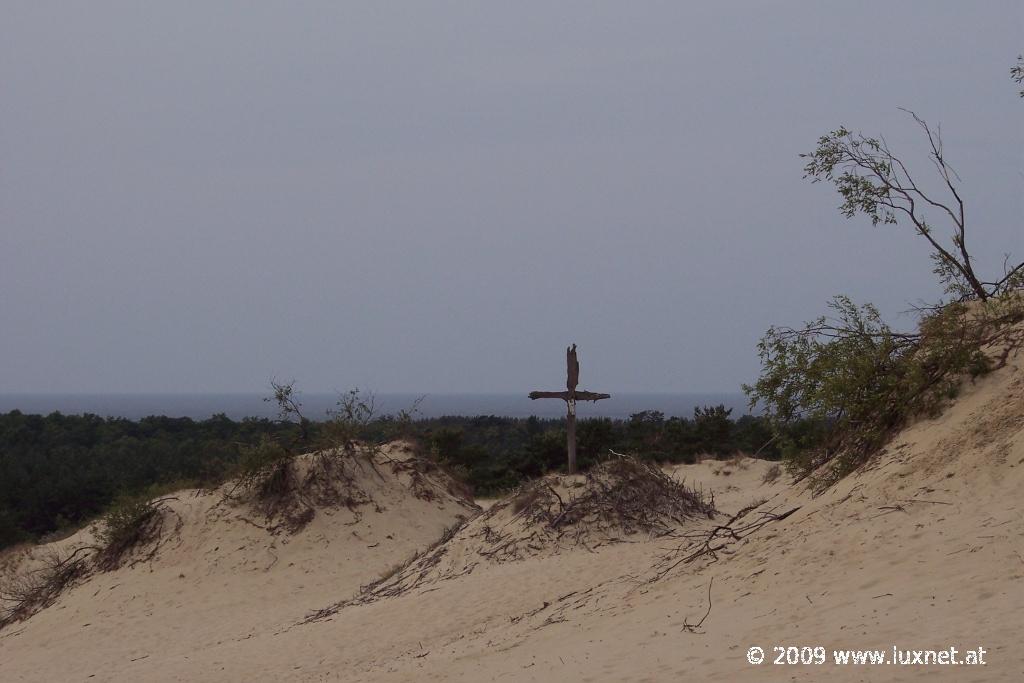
(570, 396)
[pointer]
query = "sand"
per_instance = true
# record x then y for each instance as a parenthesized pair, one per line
(923, 549)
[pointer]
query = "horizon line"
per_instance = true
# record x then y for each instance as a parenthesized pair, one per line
(525, 393)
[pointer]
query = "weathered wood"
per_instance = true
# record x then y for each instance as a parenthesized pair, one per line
(570, 396)
(590, 396)
(570, 434)
(572, 366)
(564, 395)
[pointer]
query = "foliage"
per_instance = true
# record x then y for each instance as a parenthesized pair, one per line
(122, 522)
(835, 389)
(59, 471)
(400, 426)
(495, 454)
(711, 427)
(265, 468)
(349, 422)
(289, 410)
(874, 182)
(132, 521)
(854, 380)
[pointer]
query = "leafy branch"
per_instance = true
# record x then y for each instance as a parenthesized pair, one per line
(873, 181)
(860, 380)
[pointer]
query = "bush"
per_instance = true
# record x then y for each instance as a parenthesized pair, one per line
(132, 521)
(266, 469)
(350, 423)
(836, 389)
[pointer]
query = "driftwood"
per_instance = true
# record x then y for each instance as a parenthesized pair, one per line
(707, 543)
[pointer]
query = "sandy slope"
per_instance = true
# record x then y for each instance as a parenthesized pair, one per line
(222, 577)
(922, 550)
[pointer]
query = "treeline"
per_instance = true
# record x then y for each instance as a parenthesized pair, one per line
(59, 471)
(493, 454)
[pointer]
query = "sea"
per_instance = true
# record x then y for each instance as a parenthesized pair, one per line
(316, 406)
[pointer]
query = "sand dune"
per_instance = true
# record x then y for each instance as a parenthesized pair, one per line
(223, 576)
(921, 550)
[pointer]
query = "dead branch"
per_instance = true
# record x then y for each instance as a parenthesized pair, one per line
(692, 628)
(709, 542)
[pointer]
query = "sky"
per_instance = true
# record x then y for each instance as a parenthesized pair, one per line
(439, 197)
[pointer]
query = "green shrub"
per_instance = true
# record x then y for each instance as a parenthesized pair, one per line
(265, 469)
(349, 424)
(836, 389)
(131, 521)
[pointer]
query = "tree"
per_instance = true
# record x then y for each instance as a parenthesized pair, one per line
(644, 430)
(595, 437)
(875, 182)
(838, 387)
(713, 429)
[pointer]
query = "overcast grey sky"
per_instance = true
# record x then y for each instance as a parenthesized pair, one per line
(439, 196)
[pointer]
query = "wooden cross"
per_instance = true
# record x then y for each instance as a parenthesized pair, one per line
(570, 396)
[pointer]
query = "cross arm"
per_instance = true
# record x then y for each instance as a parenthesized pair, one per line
(564, 395)
(569, 395)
